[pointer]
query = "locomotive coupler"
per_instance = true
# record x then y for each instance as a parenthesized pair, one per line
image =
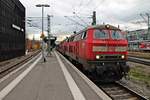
(125, 68)
(100, 70)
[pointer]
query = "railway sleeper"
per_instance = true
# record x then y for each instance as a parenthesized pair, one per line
(121, 96)
(112, 89)
(116, 92)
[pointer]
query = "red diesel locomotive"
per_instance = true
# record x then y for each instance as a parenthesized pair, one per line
(101, 49)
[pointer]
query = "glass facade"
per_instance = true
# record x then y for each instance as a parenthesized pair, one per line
(135, 38)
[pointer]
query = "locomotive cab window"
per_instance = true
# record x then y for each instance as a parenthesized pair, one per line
(116, 35)
(77, 37)
(100, 34)
(72, 38)
(84, 35)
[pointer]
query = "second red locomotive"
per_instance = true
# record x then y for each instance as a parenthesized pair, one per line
(101, 49)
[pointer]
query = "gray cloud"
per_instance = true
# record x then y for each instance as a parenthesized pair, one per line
(121, 12)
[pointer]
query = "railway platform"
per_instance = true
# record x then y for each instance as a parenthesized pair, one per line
(55, 79)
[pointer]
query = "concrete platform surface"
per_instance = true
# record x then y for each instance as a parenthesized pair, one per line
(53, 80)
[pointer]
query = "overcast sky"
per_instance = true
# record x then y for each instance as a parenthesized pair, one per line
(122, 12)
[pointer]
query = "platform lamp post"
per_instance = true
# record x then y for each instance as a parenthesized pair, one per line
(49, 32)
(43, 5)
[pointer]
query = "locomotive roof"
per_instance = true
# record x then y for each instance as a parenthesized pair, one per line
(104, 27)
(107, 26)
(100, 27)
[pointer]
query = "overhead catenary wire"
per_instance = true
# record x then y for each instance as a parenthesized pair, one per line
(32, 22)
(81, 19)
(99, 5)
(75, 21)
(89, 2)
(143, 17)
(81, 3)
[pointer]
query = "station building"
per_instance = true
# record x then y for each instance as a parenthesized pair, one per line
(136, 37)
(12, 29)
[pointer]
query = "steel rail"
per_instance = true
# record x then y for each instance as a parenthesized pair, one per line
(9, 68)
(119, 92)
(139, 60)
(115, 90)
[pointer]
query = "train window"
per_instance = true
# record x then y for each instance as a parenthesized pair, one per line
(83, 35)
(75, 38)
(69, 39)
(116, 35)
(100, 34)
(79, 36)
(72, 38)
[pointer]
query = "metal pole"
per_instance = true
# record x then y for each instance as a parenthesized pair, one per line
(50, 47)
(43, 33)
(50, 33)
(43, 47)
(148, 24)
(42, 20)
(48, 30)
(148, 27)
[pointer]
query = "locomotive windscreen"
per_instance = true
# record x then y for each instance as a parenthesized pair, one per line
(100, 34)
(116, 35)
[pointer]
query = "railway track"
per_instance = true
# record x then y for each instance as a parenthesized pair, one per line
(117, 91)
(10, 65)
(139, 60)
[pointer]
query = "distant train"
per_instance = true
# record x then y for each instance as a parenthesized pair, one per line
(139, 45)
(100, 49)
(145, 45)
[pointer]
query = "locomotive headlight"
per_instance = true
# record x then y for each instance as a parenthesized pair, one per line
(122, 56)
(107, 26)
(97, 57)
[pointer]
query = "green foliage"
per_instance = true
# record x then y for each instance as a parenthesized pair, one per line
(137, 73)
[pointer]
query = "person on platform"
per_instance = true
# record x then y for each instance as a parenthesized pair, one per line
(44, 49)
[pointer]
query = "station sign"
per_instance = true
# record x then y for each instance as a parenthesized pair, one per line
(17, 27)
